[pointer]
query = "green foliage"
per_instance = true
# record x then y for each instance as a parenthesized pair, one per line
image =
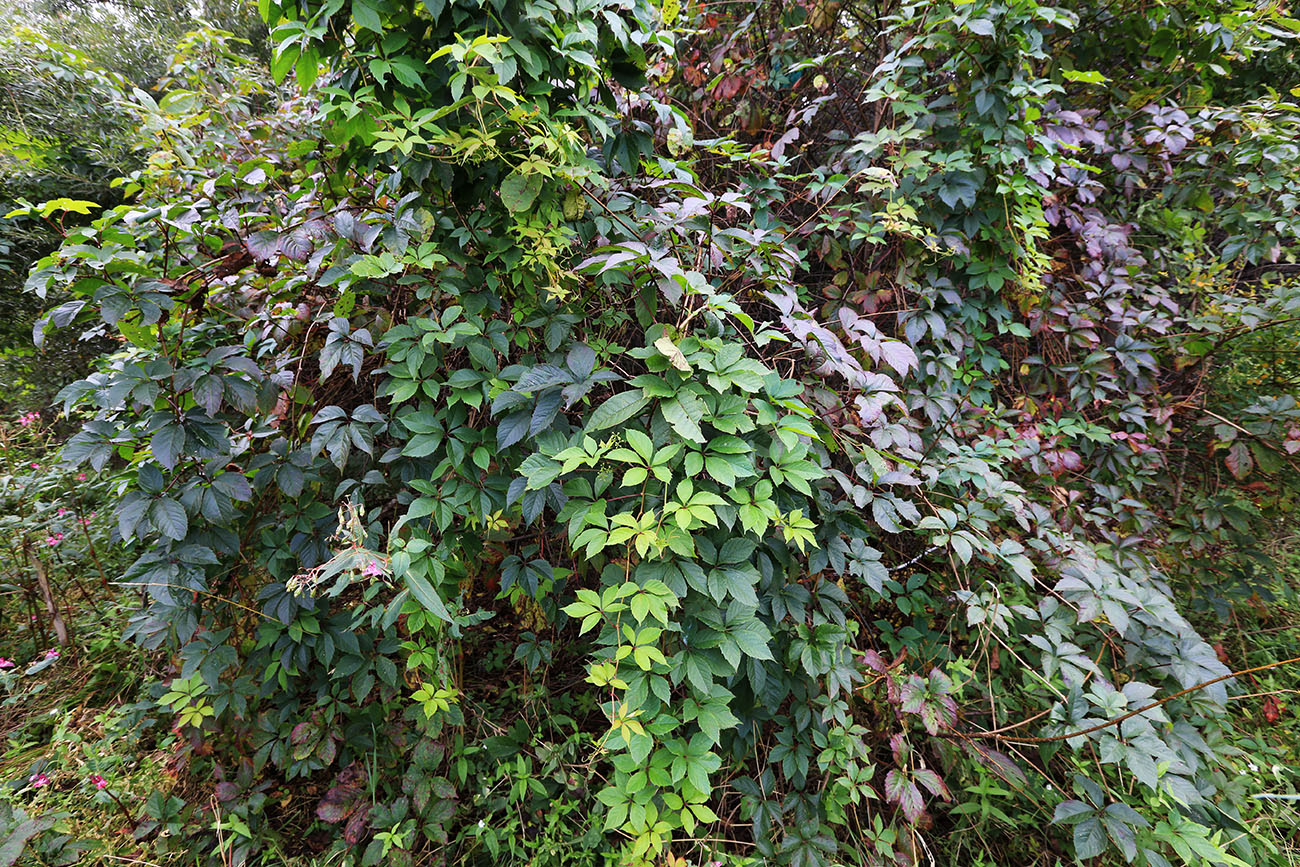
(544, 478)
(64, 136)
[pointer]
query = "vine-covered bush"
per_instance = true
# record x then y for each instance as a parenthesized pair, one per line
(592, 432)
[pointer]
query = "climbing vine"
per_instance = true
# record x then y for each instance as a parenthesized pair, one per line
(809, 398)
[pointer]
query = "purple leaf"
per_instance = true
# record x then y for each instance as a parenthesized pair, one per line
(932, 781)
(1000, 763)
(913, 695)
(900, 790)
(898, 355)
(263, 245)
(357, 826)
(1239, 461)
(875, 662)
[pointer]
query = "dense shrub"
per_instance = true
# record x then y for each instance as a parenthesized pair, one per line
(587, 432)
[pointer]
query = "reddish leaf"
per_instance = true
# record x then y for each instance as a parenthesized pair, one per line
(913, 695)
(1239, 461)
(263, 245)
(357, 826)
(933, 782)
(343, 797)
(1000, 763)
(875, 662)
(327, 751)
(931, 717)
(900, 790)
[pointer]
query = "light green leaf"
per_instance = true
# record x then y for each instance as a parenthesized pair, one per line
(678, 413)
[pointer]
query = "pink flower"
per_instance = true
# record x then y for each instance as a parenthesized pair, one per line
(373, 569)
(62, 511)
(6, 663)
(51, 654)
(81, 477)
(38, 780)
(29, 418)
(35, 466)
(54, 540)
(100, 782)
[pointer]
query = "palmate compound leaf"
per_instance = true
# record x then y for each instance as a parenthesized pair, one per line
(343, 798)
(941, 333)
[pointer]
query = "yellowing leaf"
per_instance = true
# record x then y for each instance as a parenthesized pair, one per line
(674, 355)
(1087, 77)
(76, 206)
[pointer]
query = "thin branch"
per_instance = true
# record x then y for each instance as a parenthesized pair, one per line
(996, 733)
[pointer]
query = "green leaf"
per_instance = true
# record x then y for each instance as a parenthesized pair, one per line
(713, 718)
(167, 444)
(753, 639)
(424, 593)
(25, 830)
(307, 68)
(540, 471)
(641, 444)
(617, 410)
(284, 59)
(1089, 77)
(367, 16)
(1089, 838)
(684, 412)
(519, 191)
(670, 350)
(169, 517)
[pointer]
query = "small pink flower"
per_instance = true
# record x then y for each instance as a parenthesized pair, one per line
(38, 780)
(29, 418)
(51, 654)
(373, 569)
(100, 782)
(54, 540)
(35, 465)
(6, 663)
(81, 477)
(61, 512)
